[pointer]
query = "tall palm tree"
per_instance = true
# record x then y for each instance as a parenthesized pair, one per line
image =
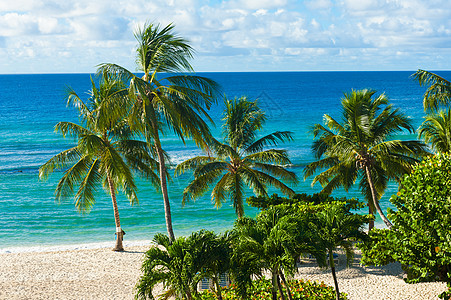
(105, 151)
(241, 160)
(438, 92)
(335, 228)
(176, 100)
(436, 129)
(360, 148)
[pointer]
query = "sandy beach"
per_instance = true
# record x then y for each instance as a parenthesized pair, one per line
(104, 274)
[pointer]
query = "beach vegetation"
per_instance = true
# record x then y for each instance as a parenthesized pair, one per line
(106, 151)
(436, 130)
(335, 228)
(360, 147)
(420, 239)
(438, 92)
(315, 201)
(261, 289)
(167, 97)
(241, 160)
(181, 264)
(270, 243)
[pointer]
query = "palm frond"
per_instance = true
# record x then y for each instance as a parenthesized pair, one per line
(438, 92)
(84, 198)
(270, 139)
(59, 161)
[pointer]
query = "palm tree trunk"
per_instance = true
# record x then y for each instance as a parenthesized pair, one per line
(375, 200)
(218, 287)
(286, 285)
(332, 267)
(117, 220)
(371, 223)
(279, 286)
(273, 286)
(164, 188)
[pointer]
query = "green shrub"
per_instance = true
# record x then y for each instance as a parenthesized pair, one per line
(261, 289)
(420, 238)
(311, 202)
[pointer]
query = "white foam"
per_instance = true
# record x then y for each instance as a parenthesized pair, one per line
(55, 248)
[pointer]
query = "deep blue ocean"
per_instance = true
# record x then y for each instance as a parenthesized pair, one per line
(31, 105)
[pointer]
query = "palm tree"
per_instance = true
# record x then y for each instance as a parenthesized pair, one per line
(241, 160)
(438, 92)
(180, 264)
(335, 228)
(105, 152)
(173, 101)
(360, 148)
(436, 129)
(272, 242)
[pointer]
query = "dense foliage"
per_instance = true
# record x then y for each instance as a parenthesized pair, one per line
(420, 238)
(261, 289)
(303, 200)
(181, 265)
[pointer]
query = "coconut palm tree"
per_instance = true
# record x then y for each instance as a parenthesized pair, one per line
(176, 100)
(241, 160)
(436, 129)
(438, 91)
(105, 152)
(335, 228)
(360, 148)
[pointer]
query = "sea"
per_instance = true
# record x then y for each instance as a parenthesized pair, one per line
(31, 105)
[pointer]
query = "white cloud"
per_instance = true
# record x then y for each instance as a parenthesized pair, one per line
(272, 33)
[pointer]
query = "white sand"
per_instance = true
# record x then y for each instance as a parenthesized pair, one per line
(104, 274)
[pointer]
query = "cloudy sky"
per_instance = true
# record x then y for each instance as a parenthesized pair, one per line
(56, 36)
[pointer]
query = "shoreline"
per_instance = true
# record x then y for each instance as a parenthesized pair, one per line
(73, 247)
(104, 274)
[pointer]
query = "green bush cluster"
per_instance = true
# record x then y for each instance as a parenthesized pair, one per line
(315, 201)
(420, 238)
(261, 289)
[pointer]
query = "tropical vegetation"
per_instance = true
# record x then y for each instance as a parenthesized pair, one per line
(361, 148)
(420, 239)
(181, 264)
(272, 242)
(106, 151)
(261, 290)
(241, 160)
(436, 128)
(167, 97)
(335, 228)
(438, 92)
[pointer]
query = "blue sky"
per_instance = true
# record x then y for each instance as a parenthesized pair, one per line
(54, 36)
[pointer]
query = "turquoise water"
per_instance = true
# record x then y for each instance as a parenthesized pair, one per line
(30, 105)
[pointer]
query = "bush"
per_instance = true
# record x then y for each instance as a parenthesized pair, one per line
(420, 238)
(304, 201)
(261, 289)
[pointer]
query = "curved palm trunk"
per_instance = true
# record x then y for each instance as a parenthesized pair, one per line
(332, 267)
(164, 189)
(117, 220)
(371, 223)
(375, 201)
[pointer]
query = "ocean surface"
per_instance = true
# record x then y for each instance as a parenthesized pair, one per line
(31, 105)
